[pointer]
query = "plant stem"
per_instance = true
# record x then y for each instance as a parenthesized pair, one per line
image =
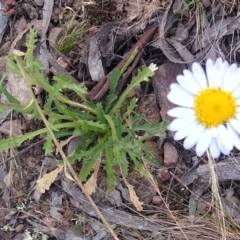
(75, 104)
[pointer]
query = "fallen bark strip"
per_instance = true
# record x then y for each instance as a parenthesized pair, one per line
(226, 170)
(102, 87)
(111, 214)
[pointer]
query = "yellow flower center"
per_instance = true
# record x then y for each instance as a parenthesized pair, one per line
(214, 106)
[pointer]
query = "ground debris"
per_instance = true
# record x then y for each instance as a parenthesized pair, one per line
(171, 34)
(111, 215)
(11, 7)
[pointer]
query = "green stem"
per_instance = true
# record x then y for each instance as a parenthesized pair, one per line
(112, 126)
(75, 104)
(130, 60)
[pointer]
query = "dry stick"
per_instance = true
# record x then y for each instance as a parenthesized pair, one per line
(66, 162)
(102, 87)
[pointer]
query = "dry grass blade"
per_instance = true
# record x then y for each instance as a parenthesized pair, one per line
(216, 197)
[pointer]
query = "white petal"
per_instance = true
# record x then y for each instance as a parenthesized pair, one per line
(238, 109)
(211, 73)
(214, 149)
(193, 137)
(203, 143)
(238, 101)
(181, 98)
(225, 137)
(237, 78)
(182, 133)
(236, 92)
(188, 82)
(175, 86)
(234, 136)
(237, 116)
(222, 148)
(230, 81)
(180, 123)
(199, 75)
(235, 124)
(221, 68)
(181, 112)
(214, 131)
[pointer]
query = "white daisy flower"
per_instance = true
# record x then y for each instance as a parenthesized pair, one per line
(208, 115)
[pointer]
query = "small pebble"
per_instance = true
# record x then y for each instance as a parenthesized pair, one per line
(157, 200)
(163, 174)
(170, 155)
(19, 228)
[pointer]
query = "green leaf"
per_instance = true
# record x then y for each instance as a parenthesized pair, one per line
(6, 144)
(109, 167)
(124, 163)
(93, 126)
(130, 108)
(81, 148)
(118, 125)
(63, 82)
(111, 97)
(48, 145)
(100, 112)
(12, 65)
(143, 75)
(90, 158)
(65, 111)
(31, 44)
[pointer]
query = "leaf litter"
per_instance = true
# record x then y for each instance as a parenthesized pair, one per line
(172, 34)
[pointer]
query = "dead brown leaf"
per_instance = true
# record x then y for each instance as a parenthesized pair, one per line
(53, 35)
(13, 128)
(63, 62)
(18, 88)
(20, 25)
(47, 13)
(231, 205)
(167, 19)
(73, 144)
(8, 179)
(63, 143)
(46, 181)
(164, 76)
(215, 32)
(182, 50)
(91, 184)
(97, 47)
(133, 196)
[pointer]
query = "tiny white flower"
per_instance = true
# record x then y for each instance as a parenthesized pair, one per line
(208, 115)
(153, 67)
